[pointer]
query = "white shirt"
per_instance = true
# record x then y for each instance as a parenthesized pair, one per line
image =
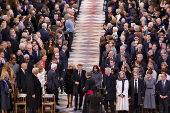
(137, 84)
(79, 72)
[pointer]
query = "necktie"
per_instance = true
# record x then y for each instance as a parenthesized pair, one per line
(79, 74)
(135, 86)
(24, 71)
(163, 84)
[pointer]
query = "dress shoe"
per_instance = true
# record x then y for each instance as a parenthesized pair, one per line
(67, 105)
(57, 110)
(57, 104)
(75, 109)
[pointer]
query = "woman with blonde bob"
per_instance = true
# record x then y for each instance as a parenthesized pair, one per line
(122, 86)
(8, 72)
(69, 83)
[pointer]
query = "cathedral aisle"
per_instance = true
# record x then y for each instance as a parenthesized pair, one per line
(86, 51)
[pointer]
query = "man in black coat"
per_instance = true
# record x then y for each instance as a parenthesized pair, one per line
(29, 63)
(38, 6)
(163, 89)
(34, 92)
(53, 84)
(88, 90)
(22, 78)
(110, 95)
(136, 87)
(79, 80)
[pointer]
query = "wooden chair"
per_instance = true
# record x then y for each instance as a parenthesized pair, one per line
(21, 100)
(48, 100)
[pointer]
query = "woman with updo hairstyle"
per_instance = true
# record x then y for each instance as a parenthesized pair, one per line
(149, 100)
(69, 83)
(97, 76)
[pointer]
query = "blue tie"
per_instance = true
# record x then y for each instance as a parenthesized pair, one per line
(24, 71)
(163, 84)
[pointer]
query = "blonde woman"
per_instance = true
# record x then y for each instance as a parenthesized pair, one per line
(3, 25)
(122, 86)
(8, 72)
(41, 75)
(151, 67)
(5, 93)
(69, 83)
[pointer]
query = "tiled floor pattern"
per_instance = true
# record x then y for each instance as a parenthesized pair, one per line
(86, 51)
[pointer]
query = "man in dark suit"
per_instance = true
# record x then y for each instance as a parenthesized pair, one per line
(38, 6)
(124, 60)
(6, 54)
(53, 84)
(36, 54)
(163, 89)
(164, 58)
(130, 39)
(34, 92)
(155, 52)
(29, 63)
(79, 80)
(110, 84)
(22, 78)
(122, 43)
(122, 52)
(59, 44)
(136, 94)
(107, 61)
(88, 91)
(59, 34)
(64, 57)
(61, 71)
(44, 33)
(109, 30)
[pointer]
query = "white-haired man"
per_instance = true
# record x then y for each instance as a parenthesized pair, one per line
(53, 83)
(110, 84)
(34, 92)
(109, 29)
(44, 33)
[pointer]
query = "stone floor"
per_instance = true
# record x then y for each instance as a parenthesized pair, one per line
(86, 51)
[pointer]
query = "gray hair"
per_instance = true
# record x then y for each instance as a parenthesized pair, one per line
(21, 45)
(53, 66)
(158, 19)
(4, 16)
(69, 10)
(140, 55)
(115, 28)
(23, 64)
(143, 19)
(44, 26)
(150, 23)
(109, 25)
(123, 47)
(141, 5)
(26, 55)
(2, 44)
(34, 35)
(24, 34)
(136, 28)
(64, 47)
(108, 69)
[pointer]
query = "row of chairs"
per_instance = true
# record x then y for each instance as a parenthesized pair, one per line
(19, 99)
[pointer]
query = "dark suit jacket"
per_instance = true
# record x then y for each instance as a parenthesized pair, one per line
(44, 35)
(121, 63)
(36, 58)
(22, 80)
(60, 68)
(130, 39)
(52, 80)
(163, 91)
(118, 57)
(38, 6)
(110, 85)
(89, 84)
(14, 45)
(60, 48)
(82, 80)
(64, 57)
(107, 62)
(120, 44)
(34, 87)
(141, 91)
(108, 32)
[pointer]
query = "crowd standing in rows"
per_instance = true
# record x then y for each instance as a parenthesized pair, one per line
(134, 62)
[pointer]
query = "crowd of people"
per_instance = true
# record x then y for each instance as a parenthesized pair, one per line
(134, 62)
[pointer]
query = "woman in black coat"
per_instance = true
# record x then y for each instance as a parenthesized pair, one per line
(6, 89)
(69, 83)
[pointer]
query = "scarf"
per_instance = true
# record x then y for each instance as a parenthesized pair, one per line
(6, 85)
(123, 82)
(96, 72)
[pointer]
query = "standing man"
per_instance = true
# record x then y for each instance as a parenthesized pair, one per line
(22, 78)
(79, 80)
(136, 94)
(34, 92)
(70, 25)
(53, 84)
(110, 84)
(163, 89)
(88, 91)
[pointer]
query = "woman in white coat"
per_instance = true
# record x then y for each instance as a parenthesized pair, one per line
(41, 75)
(122, 86)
